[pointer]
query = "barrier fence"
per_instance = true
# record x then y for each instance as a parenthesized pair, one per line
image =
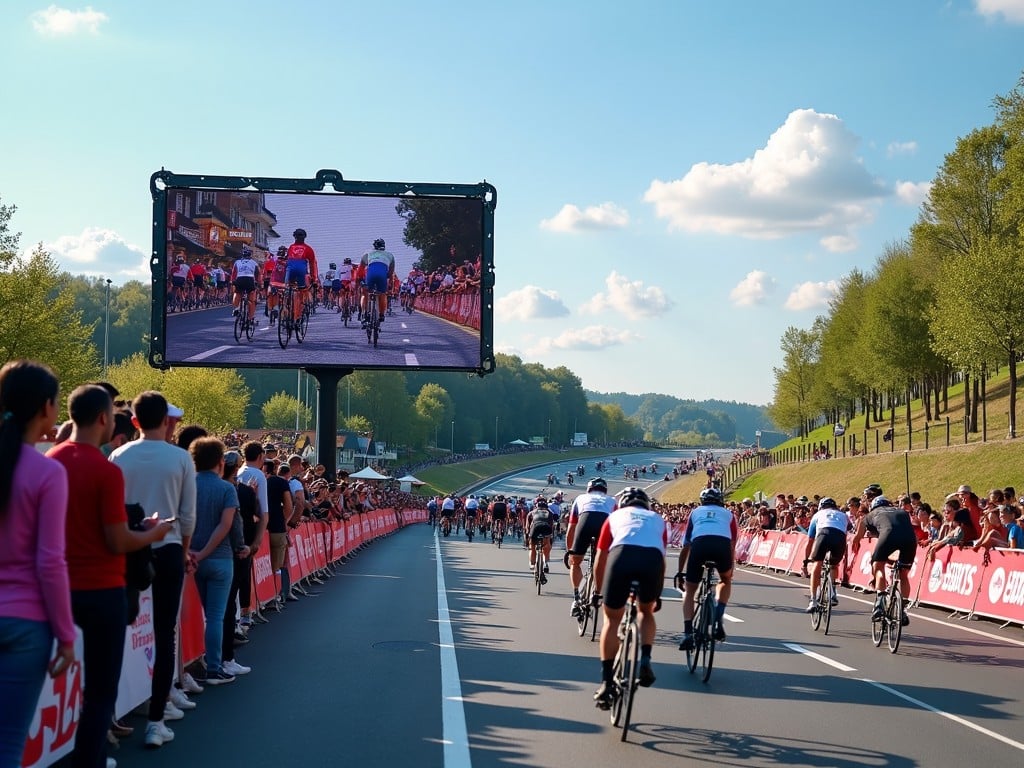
(313, 546)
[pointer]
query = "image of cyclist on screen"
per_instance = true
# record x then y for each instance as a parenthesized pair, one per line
(380, 267)
(302, 269)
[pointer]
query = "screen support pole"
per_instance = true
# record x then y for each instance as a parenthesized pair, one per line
(327, 379)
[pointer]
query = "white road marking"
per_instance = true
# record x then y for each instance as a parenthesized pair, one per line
(453, 714)
(410, 358)
(208, 353)
(947, 715)
(733, 619)
(819, 657)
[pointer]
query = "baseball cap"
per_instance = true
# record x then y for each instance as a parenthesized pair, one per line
(964, 489)
(232, 459)
(174, 412)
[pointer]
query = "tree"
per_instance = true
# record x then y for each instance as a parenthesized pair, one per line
(280, 411)
(8, 240)
(792, 407)
(433, 226)
(381, 397)
(434, 406)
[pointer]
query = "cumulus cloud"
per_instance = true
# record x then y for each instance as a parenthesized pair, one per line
(752, 289)
(901, 148)
(913, 192)
(595, 217)
(593, 338)
(530, 303)
(1010, 10)
(811, 295)
(100, 252)
(839, 243)
(629, 298)
(807, 178)
(63, 22)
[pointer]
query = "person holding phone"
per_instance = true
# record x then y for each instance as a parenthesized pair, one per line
(35, 599)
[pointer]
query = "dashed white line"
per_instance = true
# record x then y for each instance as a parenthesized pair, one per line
(208, 353)
(411, 359)
(819, 657)
(453, 714)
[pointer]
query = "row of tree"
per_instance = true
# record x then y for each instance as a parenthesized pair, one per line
(943, 305)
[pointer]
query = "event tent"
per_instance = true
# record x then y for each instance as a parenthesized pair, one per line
(368, 473)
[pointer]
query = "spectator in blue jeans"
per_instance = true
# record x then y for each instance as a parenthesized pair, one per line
(216, 507)
(35, 600)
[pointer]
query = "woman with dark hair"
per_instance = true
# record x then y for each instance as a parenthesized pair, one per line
(35, 597)
(962, 534)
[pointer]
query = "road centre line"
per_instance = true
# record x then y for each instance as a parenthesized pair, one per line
(208, 353)
(818, 657)
(453, 714)
(947, 715)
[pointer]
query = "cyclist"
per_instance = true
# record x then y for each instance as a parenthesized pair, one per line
(329, 278)
(380, 267)
(432, 511)
(179, 276)
(197, 278)
(343, 280)
(895, 531)
(499, 514)
(586, 516)
(540, 526)
(447, 513)
(277, 282)
(555, 507)
(244, 275)
(302, 270)
(631, 547)
(710, 536)
(472, 507)
(826, 533)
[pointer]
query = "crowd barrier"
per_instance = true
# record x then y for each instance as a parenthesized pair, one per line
(458, 307)
(987, 583)
(313, 546)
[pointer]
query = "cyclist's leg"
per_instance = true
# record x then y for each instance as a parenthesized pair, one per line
(251, 295)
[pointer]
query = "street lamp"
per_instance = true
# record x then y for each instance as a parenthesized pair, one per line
(495, 433)
(453, 437)
(549, 433)
(106, 331)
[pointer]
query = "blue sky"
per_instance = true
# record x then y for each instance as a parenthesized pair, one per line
(678, 182)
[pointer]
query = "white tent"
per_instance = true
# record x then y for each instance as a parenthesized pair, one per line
(408, 482)
(519, 442)
(368, 473)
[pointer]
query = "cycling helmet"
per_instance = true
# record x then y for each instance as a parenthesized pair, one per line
(597, 484)
(880, 501)
(542, 503)
(299, 233)
(282, 255)
(246, 251)
(633, 497)
(348, 261)
(873, 490)
(712, 496)
(378, 244)
(332, 265)
(828, 503)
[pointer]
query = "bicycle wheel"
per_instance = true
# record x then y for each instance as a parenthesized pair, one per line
(693, 654)
(585, 606)
(819, 608)
(250, 326)
(284, 324)
(239, 327)
(376, 333)
(538, 568)
(630, 669)
(828, 589)
(894, 618)
(301, 326)
(708, 654)
(878, 629)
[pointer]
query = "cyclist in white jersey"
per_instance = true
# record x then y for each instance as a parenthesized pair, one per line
(710, 535)
(631, 548)
(586, 517)
(244, 274)
(380, 267)
(826, 533)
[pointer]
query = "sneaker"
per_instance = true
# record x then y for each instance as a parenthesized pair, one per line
(180, 699)
(687, 643)
(834, 600)
(905, 621)
(646, 675)
(719, 632)
(240, 638)
(189, 684)
(111, 762)
(234, 313)
(543, 579)
(234, 668)
(171, 712)
(158, 734)
(546, 568)
(877, 613)
(219, 678)
(532, 567)
(575, 611)
(121, 729)
(812, 606)
(605, 695)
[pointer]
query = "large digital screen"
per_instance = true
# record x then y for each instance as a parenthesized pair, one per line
(320, 251)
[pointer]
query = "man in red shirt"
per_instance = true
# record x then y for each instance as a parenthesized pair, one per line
(97, 538)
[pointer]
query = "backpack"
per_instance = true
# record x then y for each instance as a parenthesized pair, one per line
(139, 568)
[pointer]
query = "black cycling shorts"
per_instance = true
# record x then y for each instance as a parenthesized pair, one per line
(893, 541)
(499, 515)
(830, 540)
(540, 531)
(587, 527)
(717, 549)
(447, 513)
(628, 563)
(244, 284)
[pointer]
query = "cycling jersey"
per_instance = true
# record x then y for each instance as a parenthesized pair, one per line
(710, 520)
(344, 273)
(828, 518)
(635, 526)
(245, 268)
(280, 270)
(301, 262)
(180, 271)
(591, 502)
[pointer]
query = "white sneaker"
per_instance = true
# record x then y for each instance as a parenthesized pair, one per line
(812, 606)
(158, 734)
(189, 684)
(234, 668)
(181, 700)
(171, 712)
(111, 762)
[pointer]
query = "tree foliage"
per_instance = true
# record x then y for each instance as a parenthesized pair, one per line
(433, 226)
(281, 410)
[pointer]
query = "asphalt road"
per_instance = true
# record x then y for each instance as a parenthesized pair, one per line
(419, 339)
(427, 652)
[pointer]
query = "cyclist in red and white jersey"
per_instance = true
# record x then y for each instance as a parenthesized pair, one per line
(631, 547)
(302, 269)
(245, 273)
(278, 272)
(586, 517)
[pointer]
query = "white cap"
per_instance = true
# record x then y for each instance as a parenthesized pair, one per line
(174, 412)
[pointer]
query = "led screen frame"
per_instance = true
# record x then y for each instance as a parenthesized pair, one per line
(221, 214)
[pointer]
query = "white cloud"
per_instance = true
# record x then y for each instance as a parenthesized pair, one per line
(62, 22)
(811, 295)
(590, 339)
(807, 178)
(1010, 10)
(629, 298)
(839, 243)
(752, 289)
(913, 192)
(530, 303)
(100, 252)
(901, 148)
(595, 217)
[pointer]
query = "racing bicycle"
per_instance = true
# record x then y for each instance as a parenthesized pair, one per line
(822, 613)
(372, 318)
(703, 652)
(245, 324)
(587, 602)
(626, 674)
(889, 623)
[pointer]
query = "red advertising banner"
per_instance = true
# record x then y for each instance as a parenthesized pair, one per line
(760, 550)
(953, 579)
(191, 644)
(789, 548)
(264, 584)
(1002, 586)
